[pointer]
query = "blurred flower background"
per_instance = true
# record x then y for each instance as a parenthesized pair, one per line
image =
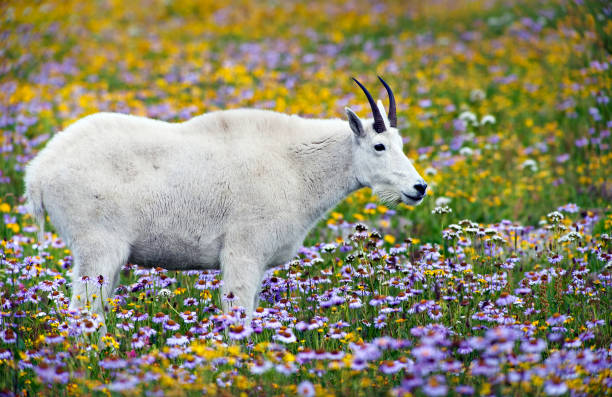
(499, 283)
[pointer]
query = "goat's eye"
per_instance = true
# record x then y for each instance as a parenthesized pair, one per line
(379, 147)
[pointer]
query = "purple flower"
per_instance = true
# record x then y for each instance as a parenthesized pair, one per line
(594, 323)
(359, 364)
(411, 381)
(113, 363)
(159, 318)
(390, 367)
(239, 332)
(427, 353)
(488, 367)
(285, 335)
(533, 345)
(556, 319)
(6, 354)
(505, 299)
(52, 374)
(435, 386)
(464, 348)
(466, 390)
(581, 142)
(306, 389)
(8, 336)
(555, 386)
(260, 366)
(171, 325)
(177, 340)
(189, 317)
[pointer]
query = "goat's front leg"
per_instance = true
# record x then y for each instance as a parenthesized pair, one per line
(242, 275)
(98, 261)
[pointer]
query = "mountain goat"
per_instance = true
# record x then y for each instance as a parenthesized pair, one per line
(236, 190)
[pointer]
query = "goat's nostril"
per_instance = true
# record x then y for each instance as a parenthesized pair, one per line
(420, 187)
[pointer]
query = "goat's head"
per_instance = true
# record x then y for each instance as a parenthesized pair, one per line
(379, 159)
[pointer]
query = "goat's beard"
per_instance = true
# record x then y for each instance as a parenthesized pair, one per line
(387, 196)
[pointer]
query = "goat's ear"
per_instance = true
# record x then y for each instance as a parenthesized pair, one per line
(355, 122)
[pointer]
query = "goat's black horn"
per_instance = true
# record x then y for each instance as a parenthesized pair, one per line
(391, 115)
(379, 124)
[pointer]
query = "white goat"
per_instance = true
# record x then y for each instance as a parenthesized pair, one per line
(236, 190)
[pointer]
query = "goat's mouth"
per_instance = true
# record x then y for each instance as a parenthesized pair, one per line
(413, 199)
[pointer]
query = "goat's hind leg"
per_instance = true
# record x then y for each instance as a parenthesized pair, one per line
(95, 276)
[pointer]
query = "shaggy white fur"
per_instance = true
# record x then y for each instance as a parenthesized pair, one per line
(236, 190)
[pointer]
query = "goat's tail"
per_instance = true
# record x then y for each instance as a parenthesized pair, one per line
(34, 205)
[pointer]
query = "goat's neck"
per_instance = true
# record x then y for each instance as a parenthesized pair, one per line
(326, 166)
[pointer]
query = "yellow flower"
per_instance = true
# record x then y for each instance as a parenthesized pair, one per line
(389, 239)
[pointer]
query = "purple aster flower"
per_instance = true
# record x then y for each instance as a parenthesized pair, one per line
(124, 314)
(594, 323)
(160, 317)
(435, 386)
(365, 351)
(138, 343)
(380, 321)
(522, 291)
(125, 325)
(505, 299)
(54, 338)
(556, 319)
(141, 316)
(465, 390)
(427, 353)
(355, 303)
(305, 356)
(171, 325)
(533, 345)
(359, 364)
(411, 381)
(273, 323)
(478, 343)
(464, 348)
(113, 363)
(285, 335)
(51, 374)
(486, 367)
(8, 336)
(6, 354)
(286, 369)
(390, 367)
(569, 208)
(189, 317)
(177, 340)
(89, 326)
(377, 300)
(572, 343)
(239, 332)
(306, 389)
(581, 142)
(555, 386)
(260, 366)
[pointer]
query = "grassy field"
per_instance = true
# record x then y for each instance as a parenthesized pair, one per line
(499, 283)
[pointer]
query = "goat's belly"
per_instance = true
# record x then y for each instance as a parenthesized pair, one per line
(174, 253)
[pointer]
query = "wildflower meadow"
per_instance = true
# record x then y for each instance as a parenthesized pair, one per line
(499, 283)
